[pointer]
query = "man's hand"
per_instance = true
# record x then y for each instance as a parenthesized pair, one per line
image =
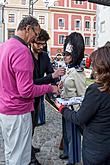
(55, 90)
(60, 84)
(59, 72)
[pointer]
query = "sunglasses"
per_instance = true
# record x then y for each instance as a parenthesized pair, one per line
(66, 54)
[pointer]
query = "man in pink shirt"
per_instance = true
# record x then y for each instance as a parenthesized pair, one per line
(17, 92)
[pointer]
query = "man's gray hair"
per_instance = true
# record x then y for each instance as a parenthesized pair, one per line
(29, 20)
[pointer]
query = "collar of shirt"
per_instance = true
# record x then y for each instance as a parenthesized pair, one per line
(21, 40)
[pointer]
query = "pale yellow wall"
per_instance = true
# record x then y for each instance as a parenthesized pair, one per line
(15, 7)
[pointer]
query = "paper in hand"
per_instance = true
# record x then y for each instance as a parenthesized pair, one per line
(71, 101)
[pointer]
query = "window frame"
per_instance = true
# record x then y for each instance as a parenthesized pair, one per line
(63, 39)
(79, 2)
(11, 18)
(60, 26)
(94, 41)
(41, 19)
(86, 42)
(79, 22)
(102, 27)
(12, 31)
(86, 27)
(94, 25)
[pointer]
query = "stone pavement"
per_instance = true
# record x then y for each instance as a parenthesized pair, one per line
(47, 137)
(2, 159)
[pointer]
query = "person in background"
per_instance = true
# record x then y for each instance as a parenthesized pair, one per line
(94, 112)
(42, 65)
(88, 62)
(17, 92)
(74, 85)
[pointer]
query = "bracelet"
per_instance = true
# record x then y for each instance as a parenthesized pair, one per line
(60, 108)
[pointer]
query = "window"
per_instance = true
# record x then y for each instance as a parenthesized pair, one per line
(11, 18)
(94, 39)
(102, 27)
(87, 41)
(78, 24)
(94, 26)
(61, 39)
(61, 22)
(79, 2)
(23, 2)
(41, 19)
(87, 24)
(11, 33)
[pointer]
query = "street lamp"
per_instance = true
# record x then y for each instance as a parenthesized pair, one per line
(31, 4)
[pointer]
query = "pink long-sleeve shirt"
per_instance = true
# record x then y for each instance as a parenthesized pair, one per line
(17, 90)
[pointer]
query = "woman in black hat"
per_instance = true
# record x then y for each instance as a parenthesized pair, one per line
(74, 85)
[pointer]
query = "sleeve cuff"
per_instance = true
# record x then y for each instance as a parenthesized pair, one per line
(61, 108)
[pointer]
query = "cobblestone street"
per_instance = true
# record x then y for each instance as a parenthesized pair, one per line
(1, 150)
(47, 137)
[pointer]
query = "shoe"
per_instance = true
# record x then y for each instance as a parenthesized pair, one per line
(61, 146)
(36, 150)
(34, 161)
(63, 156)
(40, 124)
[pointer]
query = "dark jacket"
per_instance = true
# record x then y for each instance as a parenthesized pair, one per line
(42, 66)
(94, 114)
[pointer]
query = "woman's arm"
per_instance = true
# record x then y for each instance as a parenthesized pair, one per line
(89, 107)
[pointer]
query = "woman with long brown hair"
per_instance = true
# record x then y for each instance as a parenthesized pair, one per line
(94, 113)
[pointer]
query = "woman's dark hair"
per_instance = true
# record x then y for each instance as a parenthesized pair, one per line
(77, 41)
(29, 20)
(101, 65)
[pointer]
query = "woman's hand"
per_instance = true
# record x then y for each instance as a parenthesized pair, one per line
(59, 106)
(60, 84)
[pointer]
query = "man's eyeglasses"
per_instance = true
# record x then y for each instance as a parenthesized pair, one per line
(40, 43)
(37, 34)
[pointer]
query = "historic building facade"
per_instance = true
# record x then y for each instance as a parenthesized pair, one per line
(14, 11)
(60, 18)
(67, 16)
